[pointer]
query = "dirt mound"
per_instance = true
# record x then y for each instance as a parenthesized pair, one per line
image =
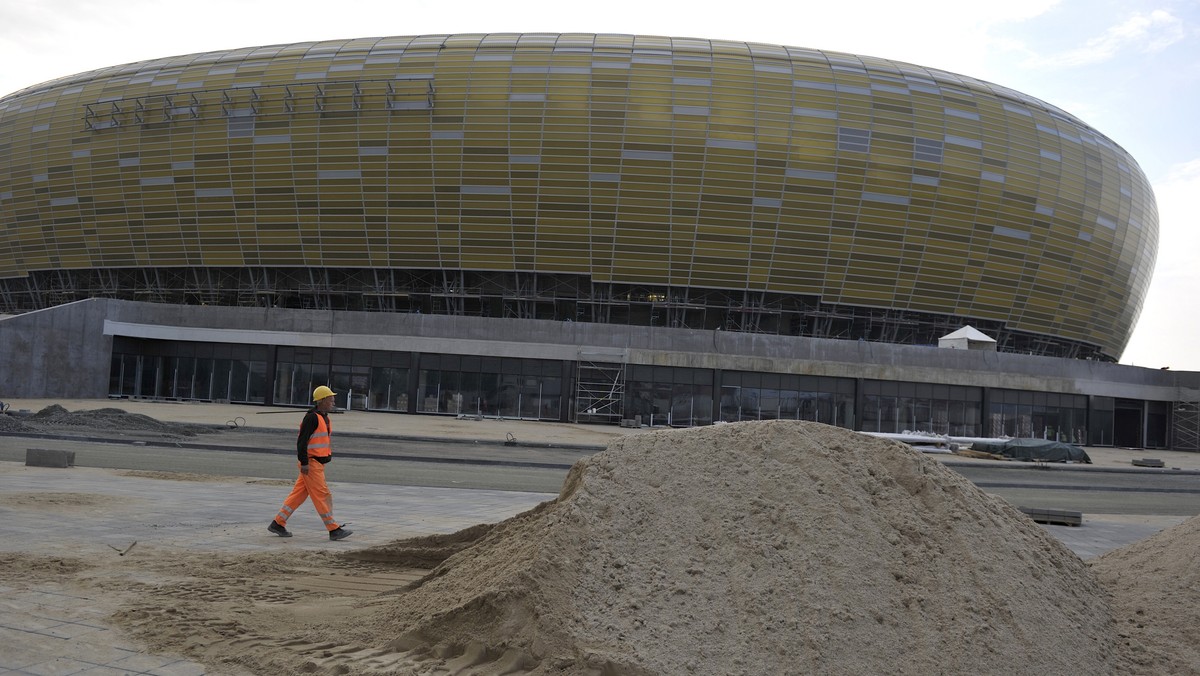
(1154, 584)
(56, 419)
(758, 548)
(11, 424)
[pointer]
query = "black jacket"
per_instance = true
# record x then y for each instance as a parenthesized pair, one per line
(307, 427)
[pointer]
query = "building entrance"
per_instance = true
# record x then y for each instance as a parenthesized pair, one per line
(1127, 423)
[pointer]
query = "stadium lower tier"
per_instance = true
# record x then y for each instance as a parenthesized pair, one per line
(556, 297)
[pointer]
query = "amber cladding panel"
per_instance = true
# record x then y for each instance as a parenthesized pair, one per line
(627, 159)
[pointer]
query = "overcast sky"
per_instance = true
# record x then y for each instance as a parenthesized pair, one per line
(1128, 68)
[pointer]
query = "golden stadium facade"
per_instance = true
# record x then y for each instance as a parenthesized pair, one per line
(598, 178)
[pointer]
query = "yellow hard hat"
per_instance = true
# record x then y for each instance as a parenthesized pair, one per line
(322, 392)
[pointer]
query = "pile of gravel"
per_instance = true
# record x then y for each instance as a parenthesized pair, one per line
(10, 424)
(55, 418)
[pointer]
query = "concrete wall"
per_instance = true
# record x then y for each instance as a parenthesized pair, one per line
(65, 351)
(59, 352)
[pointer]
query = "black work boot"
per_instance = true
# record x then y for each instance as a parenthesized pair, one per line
(279, 530)
(339, 533)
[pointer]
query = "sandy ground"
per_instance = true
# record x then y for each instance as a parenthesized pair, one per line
(752, 548)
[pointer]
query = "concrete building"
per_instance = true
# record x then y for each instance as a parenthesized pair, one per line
(581, 227)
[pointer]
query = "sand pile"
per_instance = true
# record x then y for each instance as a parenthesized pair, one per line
(1155, 585)
(757, 548)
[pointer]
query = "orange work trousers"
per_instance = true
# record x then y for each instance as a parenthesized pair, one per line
(311, 485)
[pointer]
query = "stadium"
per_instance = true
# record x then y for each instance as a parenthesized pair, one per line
(604, 228)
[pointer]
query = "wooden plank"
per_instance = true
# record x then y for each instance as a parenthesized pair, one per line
(970, 453)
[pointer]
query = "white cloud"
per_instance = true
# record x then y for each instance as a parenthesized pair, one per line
(1141, 32)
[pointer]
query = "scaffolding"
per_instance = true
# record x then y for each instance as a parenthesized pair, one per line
(518, 295)
(1186, 426)
(599, 388)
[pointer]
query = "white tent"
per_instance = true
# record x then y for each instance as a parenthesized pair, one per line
(967, 338)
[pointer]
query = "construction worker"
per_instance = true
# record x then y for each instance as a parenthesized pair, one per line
(313, 452)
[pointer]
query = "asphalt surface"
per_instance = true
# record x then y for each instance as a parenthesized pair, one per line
(1091, 490)
(359, 458)
(412, 459)
(515, 455)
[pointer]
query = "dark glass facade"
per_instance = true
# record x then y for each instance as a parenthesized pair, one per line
(896, 407)
(191, 371)
(656, 396)
(1044, 415)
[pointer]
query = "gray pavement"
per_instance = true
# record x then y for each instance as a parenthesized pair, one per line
(46, 628)
(89, 513)
(488, 432)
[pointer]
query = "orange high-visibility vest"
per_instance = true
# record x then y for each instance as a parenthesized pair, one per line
(318, 443)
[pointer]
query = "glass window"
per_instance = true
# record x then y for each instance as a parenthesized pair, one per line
(927, 150)
(256, 381)
(429, 390)
(1157, 418)
(389, 389)
(855, 140)
(1100, 429)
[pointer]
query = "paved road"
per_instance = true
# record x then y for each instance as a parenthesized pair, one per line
(442, 465)
(450, 464)
(1091, 490)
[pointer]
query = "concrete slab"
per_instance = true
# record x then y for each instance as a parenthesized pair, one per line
(49, 457)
